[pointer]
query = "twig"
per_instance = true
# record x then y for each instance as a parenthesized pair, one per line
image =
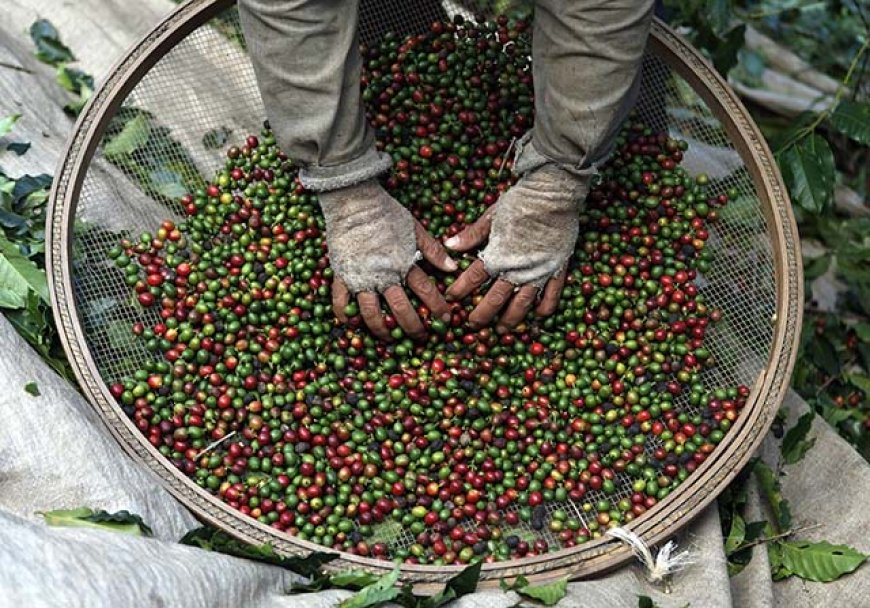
(767, 539)
(212, 446)
(831, 379)
(504, 158)
(840, 92)
(17, 68)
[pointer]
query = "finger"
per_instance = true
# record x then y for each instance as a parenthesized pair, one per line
(492, 302)
(428, 294)
(370, 309)
(552, 291)
(473, 277)
(405, 315)
(521, 304)
(473, 235)
(432, 250)
(340, 299)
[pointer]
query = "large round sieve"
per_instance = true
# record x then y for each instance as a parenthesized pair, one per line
(190, 87)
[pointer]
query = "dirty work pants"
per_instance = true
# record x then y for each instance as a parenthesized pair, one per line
(586, 60)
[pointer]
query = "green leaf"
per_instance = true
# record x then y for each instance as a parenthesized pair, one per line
(519, 582)
(134, 134)
(13, 221)
(6, 187)
(18, 275)
(823, 354)
(75, 107)
(795, 444)
(381, 591)
(852, 118)
(120, 518)
(835, 415)
(49, 48)
(861, 381)
(808, 169)
(736, 534)
(211, 539)
(771, 490)
(353, 579)
(718, 14)
(853, 262)
(754, 530)
(466, 581)
(19, 147)
(549, 594)
(645, 601)
(29, 185)
(798, 128)
(726, 52)
(73, 80)
(774, 555)
(821, 562)
(462, 584)
(864, 351)
(31, 388)
(84, 517)
(143, 149)
(33, 323)
(7, 122)
(816, 267)
(862, 330)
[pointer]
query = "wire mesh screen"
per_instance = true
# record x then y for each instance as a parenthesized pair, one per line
(171, 134)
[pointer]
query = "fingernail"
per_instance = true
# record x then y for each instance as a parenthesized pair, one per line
(452, 242)
(501, 329)
(450, 264)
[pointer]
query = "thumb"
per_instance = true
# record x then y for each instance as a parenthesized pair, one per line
(473, 235)
(432, 250)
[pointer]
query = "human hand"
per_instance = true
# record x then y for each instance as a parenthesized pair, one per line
(532, 230)
(373, 246)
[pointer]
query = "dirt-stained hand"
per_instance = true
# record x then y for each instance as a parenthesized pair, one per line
(532, 230)
(373, 246)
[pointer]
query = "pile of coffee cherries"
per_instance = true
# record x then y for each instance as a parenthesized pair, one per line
(468, 446)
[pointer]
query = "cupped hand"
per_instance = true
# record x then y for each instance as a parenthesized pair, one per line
(373, 248)
(532, 230)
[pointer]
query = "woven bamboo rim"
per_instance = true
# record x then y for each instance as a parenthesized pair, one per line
(591, 558)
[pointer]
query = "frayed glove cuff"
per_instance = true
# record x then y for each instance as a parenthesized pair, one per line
(319, 178)
(527, 158)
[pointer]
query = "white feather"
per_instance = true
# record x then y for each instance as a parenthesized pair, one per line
(666, 561)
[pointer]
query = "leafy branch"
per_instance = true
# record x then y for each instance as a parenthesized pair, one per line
(775, 537)
(827, 113)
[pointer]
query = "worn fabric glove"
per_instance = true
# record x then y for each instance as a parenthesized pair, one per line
(532, 230)
(370, 236)
(373, 246)
(586, 57)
